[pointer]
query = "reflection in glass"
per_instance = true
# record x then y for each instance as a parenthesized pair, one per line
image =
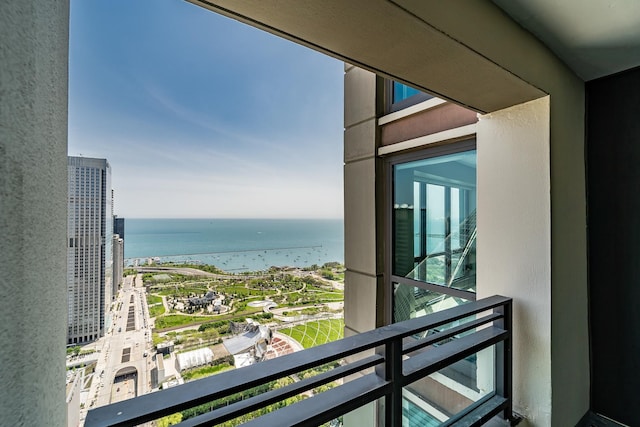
(434, 220)
(443, 395)
(402, 92)
(410, 302)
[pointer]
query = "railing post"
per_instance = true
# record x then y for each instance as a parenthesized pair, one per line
(504, 368)
(393, 374)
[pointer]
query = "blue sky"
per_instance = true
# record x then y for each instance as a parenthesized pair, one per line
(201, 116)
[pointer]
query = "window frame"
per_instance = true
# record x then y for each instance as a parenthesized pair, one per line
(427, 152)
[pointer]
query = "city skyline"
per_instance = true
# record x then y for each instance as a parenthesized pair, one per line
(203, 117)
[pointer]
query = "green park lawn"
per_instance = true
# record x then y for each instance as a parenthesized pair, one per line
(153, 299)
(205, 371)
(316, 332)
(175, 320)
(156, 310)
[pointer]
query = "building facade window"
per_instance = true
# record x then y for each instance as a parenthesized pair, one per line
(400, 96)
(432, 230)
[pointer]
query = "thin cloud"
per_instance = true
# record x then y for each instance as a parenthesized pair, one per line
(201, 116)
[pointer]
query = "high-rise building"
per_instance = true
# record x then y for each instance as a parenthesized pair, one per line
(118, 226)
(118, 252)
(89, 249)
(118, 262)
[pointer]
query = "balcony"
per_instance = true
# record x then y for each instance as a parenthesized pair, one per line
(465, 351)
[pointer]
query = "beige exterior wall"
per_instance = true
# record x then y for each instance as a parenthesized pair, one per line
(514, 242)
(363, 280)
(33, 211)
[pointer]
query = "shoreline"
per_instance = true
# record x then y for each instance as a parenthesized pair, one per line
(159, 264)
(227, 252)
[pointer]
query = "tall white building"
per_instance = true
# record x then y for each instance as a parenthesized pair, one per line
(89, 248)
(118, 262)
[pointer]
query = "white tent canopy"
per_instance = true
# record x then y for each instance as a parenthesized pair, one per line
(192, 359)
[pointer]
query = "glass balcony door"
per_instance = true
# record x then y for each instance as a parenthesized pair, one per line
(433, 229)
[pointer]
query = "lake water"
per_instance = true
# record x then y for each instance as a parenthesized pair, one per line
(236, 244)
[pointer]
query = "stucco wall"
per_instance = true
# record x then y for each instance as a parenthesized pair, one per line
(33, 195)
(485, 29)
(514, 242)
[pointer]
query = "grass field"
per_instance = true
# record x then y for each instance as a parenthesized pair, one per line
(164, 322)
(205, 371)
(328, 296)
(179, 320)
(153, 299)
(156, 310)
(316, 332)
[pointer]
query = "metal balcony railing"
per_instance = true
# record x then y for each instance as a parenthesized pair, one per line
(380, 364)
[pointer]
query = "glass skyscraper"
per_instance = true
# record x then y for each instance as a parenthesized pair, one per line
(89, 248)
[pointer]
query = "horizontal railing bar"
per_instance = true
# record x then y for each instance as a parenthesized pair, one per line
(436, 358)
(326, 406)
(251, 404)
(442, 335)
(481, 414)
(155, 405)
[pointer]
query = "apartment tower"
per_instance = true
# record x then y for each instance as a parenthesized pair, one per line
(89, 249)
(118, 226)
(118, 262)
(118, 251)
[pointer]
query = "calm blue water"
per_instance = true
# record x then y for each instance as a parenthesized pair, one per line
(236, 244)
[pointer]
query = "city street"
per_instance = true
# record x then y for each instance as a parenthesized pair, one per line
(126, 349)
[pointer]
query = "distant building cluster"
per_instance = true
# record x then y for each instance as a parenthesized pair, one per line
(250, 342)
(212, 301)
(211, 298)
(95, 249)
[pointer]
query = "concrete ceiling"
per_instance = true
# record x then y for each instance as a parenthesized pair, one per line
(593, 37)
(387, 39)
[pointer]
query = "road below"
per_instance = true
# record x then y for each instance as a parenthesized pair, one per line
(125, 361)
